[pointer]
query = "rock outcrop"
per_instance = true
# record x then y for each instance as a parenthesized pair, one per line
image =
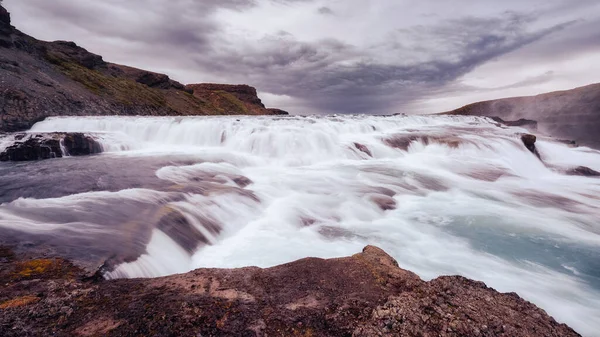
(42, 79)
(529, 142)
(227, 98)
(570, 114)
(40, 146)
(363, 295)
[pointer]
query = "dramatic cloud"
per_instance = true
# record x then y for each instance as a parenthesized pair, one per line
(318, 56)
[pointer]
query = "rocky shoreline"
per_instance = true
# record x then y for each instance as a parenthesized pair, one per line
(366, 294)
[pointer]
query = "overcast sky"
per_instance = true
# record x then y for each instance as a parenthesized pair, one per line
(340, 56)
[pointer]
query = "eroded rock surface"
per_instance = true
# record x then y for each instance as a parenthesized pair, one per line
(363, 295)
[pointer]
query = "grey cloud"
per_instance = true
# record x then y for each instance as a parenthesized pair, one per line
(319, 72)
(326, 75)
(325, 11)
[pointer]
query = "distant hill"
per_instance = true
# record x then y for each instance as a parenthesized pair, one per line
(570, 114)
(40, 79)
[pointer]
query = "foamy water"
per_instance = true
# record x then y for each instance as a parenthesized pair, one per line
(443, 195)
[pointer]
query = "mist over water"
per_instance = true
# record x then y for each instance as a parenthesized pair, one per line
(443, 195)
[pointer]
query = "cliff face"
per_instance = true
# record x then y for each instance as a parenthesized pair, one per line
(40, 79)
(366, 294)
(571, 114)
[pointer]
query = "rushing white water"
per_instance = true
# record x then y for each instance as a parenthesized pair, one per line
(443, 195)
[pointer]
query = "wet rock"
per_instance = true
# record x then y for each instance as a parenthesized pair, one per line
(363, 148)
(529, 142)
(78, 144)
(177, 227)
(384, 202)
(583, 171)
(403, 141)
(48, 145)
(32, 149)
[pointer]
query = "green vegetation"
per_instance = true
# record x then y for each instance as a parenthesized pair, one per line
(125, 91)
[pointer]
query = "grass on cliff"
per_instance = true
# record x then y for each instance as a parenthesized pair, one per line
(131, 93)
(124, 91)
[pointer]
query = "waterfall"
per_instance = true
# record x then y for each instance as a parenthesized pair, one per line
(443, 195)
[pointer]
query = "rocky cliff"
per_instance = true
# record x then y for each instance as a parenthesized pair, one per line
(363, 295)
(40, 79)
(571, 114)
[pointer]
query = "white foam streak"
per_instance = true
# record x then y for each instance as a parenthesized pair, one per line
(163, 257)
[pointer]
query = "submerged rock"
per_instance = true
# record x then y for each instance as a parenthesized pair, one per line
(583, 171)
(366, 294)
(363, 148)
(48, 145)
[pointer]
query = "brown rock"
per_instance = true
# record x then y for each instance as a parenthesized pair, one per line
(529, 142)
(366, 294)
(363, 148)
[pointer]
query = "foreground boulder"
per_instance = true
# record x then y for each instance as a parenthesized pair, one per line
(363, 295)
(28, 147)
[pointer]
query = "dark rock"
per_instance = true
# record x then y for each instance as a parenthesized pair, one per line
(277, 112)
(78, 144)
(47, 146)
(70, 51)
(5, 29)
(4, 18)
(529, 142)
(583, 171)
(32, 149)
